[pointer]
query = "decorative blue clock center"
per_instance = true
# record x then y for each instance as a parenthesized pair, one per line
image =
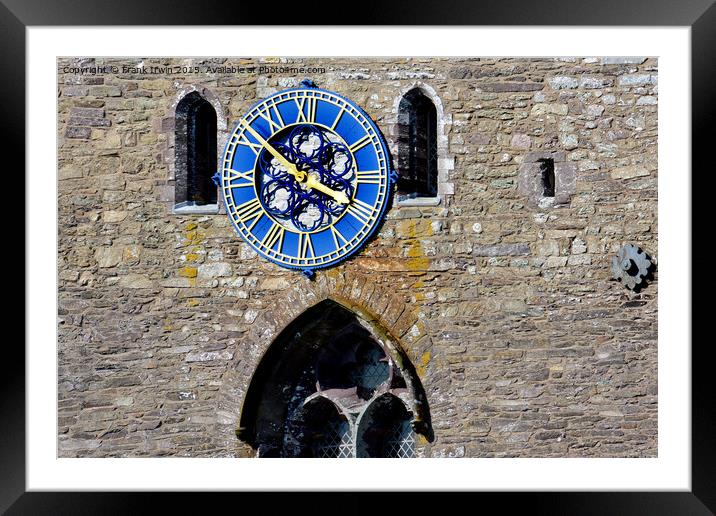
(305, 178)
(317, 152)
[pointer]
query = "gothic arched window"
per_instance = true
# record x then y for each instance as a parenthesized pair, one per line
(417, 146)
(195, 151)
(327, 387)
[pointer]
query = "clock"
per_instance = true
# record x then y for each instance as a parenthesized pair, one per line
(305, 178)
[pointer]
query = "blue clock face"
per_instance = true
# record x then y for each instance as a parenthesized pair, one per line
(305, 178)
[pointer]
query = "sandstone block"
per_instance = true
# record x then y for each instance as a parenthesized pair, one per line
(70, 172)
(214, 270)
(501, 250)
(629, 172)
(591, 82)
(562, 82)
(78, 132)
(622, 60)
(520, 141)
(208, 356)
(549, 109)
(135, 281)
(501, 87)
(105, 91)
(108, 256)
(84, 112)
(638, 80)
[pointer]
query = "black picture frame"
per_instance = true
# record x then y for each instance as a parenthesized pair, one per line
(16, 15)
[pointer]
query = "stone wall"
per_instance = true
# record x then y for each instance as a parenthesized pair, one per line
(503, 302)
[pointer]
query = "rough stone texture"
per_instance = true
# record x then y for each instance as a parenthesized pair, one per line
(524, 345)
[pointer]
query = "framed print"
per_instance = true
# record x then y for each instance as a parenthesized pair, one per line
(443, 248)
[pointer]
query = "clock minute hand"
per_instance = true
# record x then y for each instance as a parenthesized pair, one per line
(299, 175)
(290, 167)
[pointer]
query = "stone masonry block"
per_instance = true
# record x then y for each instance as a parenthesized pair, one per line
(78, 132)
(86, 112)
(565, 179)
(501, 250)
(502, 87)
(90, 122)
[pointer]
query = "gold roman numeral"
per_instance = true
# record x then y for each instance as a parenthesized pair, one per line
(264, 111)
(272, 236)
(244, 140)
(360, 210)
(305, 246)
(249, 210)
(338, 119)
(234, 175)
(278, 114)
(369, 177)
(306, 109)
(337, 235)
(360, 143)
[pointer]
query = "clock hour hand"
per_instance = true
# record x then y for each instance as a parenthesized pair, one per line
(339, 197)
(299, 175)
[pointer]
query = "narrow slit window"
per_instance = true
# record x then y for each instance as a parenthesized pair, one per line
(195, 156)
(547, 170)
(417, 146)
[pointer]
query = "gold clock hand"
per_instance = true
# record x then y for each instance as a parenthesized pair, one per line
(290, 167)
(339, 197)
(299, 175)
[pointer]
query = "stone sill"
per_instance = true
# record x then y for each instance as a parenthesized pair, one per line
(546, 203)
(186, 208)
(419, 201)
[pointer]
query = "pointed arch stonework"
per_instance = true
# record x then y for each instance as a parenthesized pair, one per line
(385, 313)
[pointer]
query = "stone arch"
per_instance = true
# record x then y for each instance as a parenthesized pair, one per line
(381, 311)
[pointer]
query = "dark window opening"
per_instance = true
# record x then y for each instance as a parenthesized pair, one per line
(371, 370)
(547, 170)
(195, 156)
(385, 430)
(417, 146)
(327, 433)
